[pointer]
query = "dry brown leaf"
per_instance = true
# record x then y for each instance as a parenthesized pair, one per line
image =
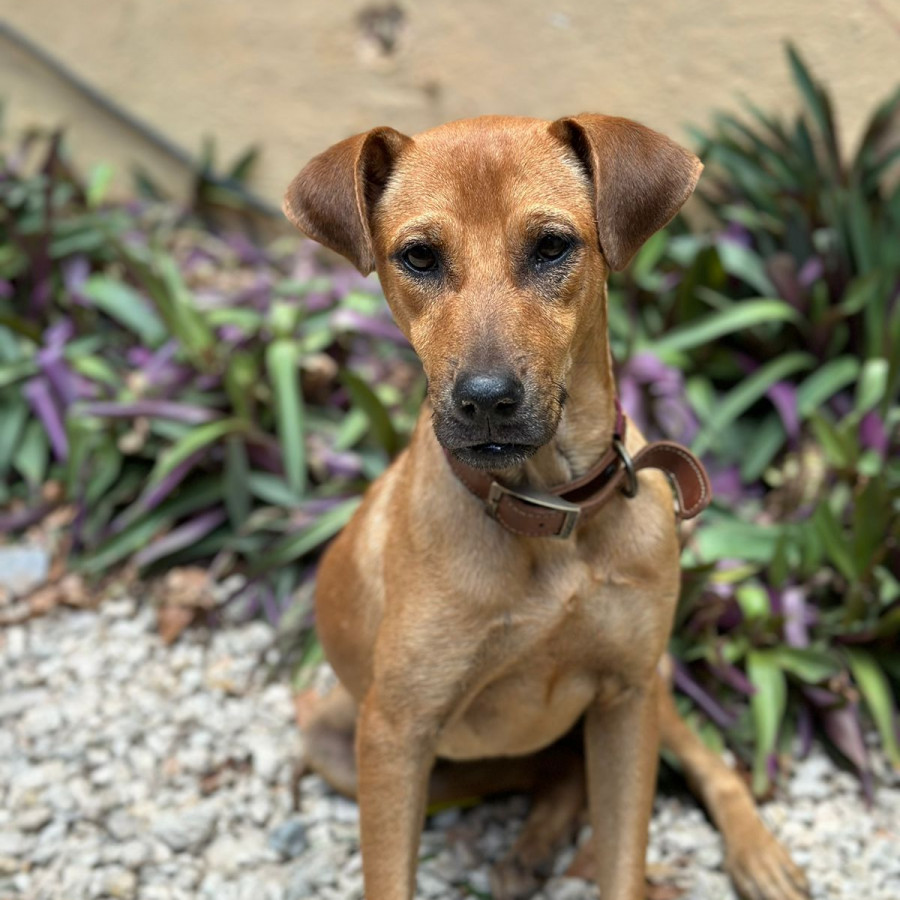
(172, 620)
(44, 599)
(74, 593)
(188, 586)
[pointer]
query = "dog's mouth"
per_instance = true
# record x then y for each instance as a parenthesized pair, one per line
(494, 455)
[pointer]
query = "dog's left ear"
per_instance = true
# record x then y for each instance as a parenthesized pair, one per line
(332, 197)
(640, 177)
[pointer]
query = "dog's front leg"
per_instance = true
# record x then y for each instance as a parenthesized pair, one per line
(622, 745)
(394, 758)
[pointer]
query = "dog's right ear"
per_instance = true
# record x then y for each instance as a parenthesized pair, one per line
(331, 198)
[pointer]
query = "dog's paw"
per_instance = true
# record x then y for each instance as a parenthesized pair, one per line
(763, 870)
(511, 879)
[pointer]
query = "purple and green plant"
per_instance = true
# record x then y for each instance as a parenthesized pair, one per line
(213, 398)
(200, 397)
(782, 323)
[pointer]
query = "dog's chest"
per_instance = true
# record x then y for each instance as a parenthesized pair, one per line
(540, 663)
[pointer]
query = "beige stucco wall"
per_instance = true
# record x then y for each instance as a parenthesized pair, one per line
(296, 75)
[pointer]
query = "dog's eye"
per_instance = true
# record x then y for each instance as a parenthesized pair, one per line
(419, 258)
(551, 247)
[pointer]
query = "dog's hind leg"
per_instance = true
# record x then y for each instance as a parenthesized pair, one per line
(328, 738)
(559, 801)
(759, 866)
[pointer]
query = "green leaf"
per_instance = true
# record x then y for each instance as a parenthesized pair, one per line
(734, 539)
(839, 450)
(836, 546)
(298, 545)
(98, 182)
(379, 418)
(105, 468)
(124, 304)
(876, 690)
(186, 321)
(97, 369)
(746, 314)
(818, 104)
(871, 524)
(807, 663)
(272, 489)
(14, 372)
(195, 439)
(747, 392)
(282, 364)
(871, 385)
(32, 457)
(237, 493)
(241, 377)
(825, 382)
(743, 263)
(137, 535)
(353, 428)
(753, 600)
(767, 707)
(762, 449)
(13, 415)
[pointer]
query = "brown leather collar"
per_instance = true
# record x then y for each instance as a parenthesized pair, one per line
(556, 512)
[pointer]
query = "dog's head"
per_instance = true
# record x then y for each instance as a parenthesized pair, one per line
(492, 238)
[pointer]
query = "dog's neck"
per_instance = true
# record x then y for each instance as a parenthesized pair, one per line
(588, 419)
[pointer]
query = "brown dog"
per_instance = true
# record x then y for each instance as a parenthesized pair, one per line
(459, 635)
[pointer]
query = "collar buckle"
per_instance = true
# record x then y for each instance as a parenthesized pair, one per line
(571, 511)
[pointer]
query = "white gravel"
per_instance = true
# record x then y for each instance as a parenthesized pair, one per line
(129, 769)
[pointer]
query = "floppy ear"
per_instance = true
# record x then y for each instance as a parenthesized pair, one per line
(332, 196)
(641, 178)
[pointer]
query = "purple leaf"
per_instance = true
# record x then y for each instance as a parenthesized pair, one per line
(782, 271)
(702, 698)
(676, 419)
(733, 677)
(784, 398)
(632, 400)
(158, 365)
(346, 280)
(265, 453)
(872, 433)
(804, 730)
(181, 537)
(811, 271)
(75, 272)
(793, 603)
(248, 253)
(67, 385)
(156, 494)
(24, 518)
(842, 725)
(158, 409)
(735, 233)
(37, 392)
(732, 616)
(270, 605)
(316, 301)
(821, 698)
(385, 329)
(726, 482)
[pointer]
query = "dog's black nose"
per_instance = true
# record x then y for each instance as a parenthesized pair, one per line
(479, 396)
